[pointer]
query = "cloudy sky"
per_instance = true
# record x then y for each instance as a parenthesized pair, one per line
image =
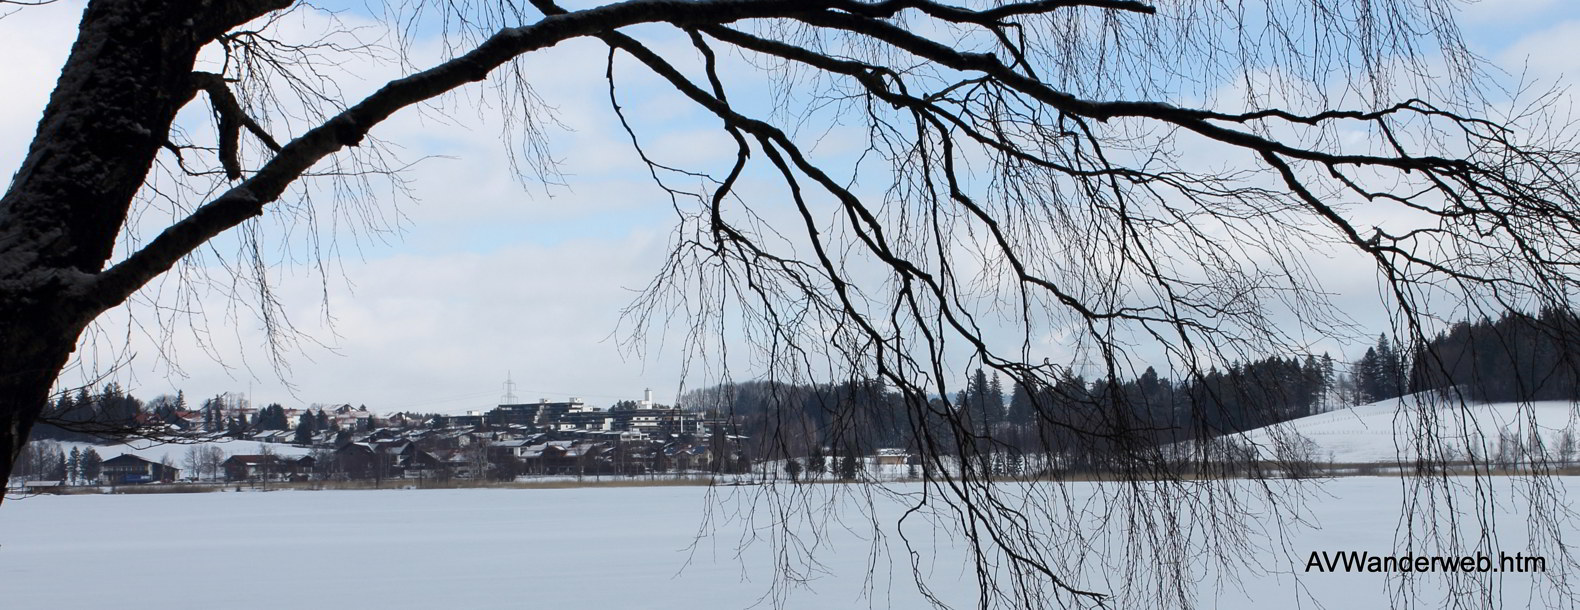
(481, 275)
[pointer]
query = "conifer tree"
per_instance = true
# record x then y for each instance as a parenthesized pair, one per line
(73, 465)
(816, 463)
(306, 427)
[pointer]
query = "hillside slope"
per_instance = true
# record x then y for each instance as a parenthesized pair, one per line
(1392, 430)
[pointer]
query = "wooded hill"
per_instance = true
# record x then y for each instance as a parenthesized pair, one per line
(1089, 422)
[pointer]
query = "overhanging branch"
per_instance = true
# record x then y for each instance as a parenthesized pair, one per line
(347, 128)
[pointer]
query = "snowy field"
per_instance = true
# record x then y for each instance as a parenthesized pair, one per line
(1366, 433)
(589, 548)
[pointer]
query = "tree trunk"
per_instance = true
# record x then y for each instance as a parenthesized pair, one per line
(128, 74)
(32, 352)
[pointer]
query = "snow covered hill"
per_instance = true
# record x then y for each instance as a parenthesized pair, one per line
(1405, 428)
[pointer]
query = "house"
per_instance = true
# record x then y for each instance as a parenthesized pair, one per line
(386, 459)
(590, 419)
(682, 457)
(553, 457)
(892, 457)
(274, 436)
(347, 418)
(248, 467)
(298, 468)
(518, 448)
(472, 419)
(541, 413)
(460, 464)
(410, 460)
(558, 457)
(129, 469)
(266, 467)
(450, 439)
(361, 461)
(657, 422)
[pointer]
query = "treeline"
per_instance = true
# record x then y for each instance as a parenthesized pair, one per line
(1518, 357)
(90, 416)
(1083, 423)
(47, 461)
(1086, 423)
(852, 418)
(225, 416)
(111, 413)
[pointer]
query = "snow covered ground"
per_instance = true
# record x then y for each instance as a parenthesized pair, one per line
(155, 452)
(592, 548)
(1366, 434)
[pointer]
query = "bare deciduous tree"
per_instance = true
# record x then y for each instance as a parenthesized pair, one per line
(1130, 177)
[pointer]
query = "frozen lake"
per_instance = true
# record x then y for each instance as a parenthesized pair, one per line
(628, 547)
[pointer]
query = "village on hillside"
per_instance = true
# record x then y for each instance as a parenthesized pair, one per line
(345, 443)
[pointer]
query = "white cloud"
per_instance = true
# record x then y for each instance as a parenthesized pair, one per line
(438, 332)
(36, 40)
(1551, 53)
(1495, 12)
